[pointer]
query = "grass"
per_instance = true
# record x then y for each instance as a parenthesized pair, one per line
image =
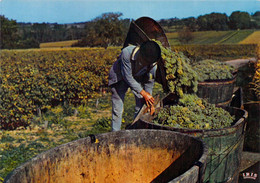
(217, 37)
(94, 117)
(237, 37)
(20, 145)
(252, 38)
(59, 44)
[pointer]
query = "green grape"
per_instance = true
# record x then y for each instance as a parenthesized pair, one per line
(213, 70)
(180, 76)
(194, 113)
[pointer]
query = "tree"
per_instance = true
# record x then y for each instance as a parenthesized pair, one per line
(106, 30)
(256, 20)
(239, 20)
(257, 13)
(191, 23)
(185, 35)
(9, 36)
(213, 21)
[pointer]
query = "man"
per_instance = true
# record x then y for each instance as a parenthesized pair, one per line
(135, 68)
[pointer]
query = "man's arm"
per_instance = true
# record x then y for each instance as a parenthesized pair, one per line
(126, 70)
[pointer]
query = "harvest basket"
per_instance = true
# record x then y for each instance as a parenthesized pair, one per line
(123, 156)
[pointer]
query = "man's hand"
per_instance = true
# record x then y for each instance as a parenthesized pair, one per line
(148, 97)
(149, 100)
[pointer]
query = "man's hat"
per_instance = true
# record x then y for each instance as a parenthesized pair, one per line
(150, 51)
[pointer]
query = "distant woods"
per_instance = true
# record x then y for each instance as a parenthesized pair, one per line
(106, 30)
(110, 29)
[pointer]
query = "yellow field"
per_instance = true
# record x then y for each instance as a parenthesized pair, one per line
(253, 38)
(59, 44)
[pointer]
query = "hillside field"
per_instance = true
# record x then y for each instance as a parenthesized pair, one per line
(59, 44)
(252, 38)
(202, 37)
(217, 37)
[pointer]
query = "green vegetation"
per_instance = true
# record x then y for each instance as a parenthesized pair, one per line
(236, 37)
(105, 30)
(214, 21)
(180, 77)
(217, 52)
(60, 125)
(256, 82)
(58, 44)
(253, 87)
(108, 29)
(38, 80)
(253, 38)
(213, 37)
(213, 70)
(61, 122)
(194, 113)
(53, 128)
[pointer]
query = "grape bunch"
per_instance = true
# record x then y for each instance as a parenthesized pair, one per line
(180, 76)
(213, 70)
(193, 112)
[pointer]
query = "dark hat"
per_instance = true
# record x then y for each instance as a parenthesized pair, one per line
(150, 51)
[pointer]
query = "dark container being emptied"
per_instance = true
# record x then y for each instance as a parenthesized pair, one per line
(225, 145)
(123, 156)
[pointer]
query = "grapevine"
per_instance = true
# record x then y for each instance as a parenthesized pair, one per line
(193, 112)
(255, 84)
(180, 76)
(213, 70)
(42, 78)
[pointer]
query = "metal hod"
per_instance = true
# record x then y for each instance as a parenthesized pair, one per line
(144, 29)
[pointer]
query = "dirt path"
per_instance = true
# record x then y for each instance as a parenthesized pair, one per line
(240, 62)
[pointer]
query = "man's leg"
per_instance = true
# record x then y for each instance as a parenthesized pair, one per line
(118, 95)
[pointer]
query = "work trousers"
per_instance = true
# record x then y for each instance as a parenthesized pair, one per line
(118, 94)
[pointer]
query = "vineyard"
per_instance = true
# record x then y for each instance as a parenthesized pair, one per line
(57, 95)
(39, 79)
(253, 38)
(219, 52)
(59, 44)
(218, 37)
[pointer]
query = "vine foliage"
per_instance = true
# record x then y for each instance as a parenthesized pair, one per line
(193, 112)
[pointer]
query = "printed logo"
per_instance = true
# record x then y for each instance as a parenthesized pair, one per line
(248, 175)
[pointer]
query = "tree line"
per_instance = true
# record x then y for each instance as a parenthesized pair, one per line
(110, 29)
(215, 21)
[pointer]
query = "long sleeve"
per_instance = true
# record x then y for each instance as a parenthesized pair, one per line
(126, 70)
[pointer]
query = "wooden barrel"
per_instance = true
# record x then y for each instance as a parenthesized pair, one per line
(252, 136)
(217, 92)
(225, 145)
(123, 156)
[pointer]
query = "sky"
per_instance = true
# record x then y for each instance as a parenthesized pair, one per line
(73, 11)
